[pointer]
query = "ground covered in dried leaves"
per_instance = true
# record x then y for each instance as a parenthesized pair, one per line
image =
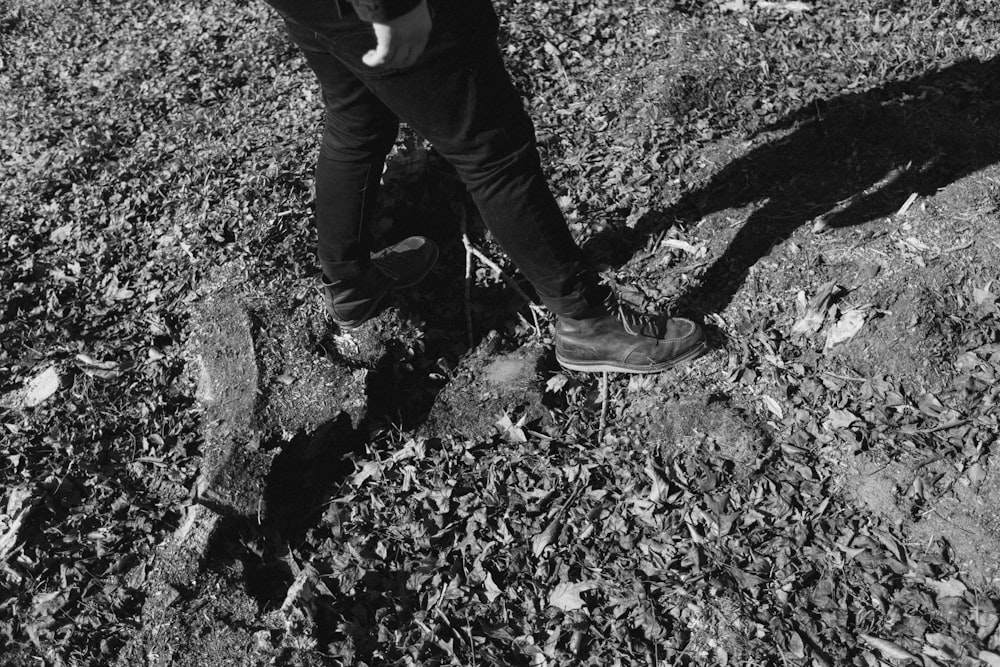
(818, 181)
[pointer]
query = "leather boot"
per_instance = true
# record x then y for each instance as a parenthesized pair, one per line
(617, 339)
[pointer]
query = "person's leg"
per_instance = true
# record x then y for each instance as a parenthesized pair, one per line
(358, 133)
(459, 97)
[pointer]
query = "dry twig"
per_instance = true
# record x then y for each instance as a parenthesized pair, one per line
(604, 408)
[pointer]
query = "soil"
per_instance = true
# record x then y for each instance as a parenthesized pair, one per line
(432, 488)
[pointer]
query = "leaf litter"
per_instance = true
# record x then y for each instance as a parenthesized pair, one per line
(535, 547)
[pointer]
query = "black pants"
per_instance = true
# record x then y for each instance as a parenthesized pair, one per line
(459, 97)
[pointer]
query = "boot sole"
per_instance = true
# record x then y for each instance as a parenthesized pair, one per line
(430, 265)
(612, 367)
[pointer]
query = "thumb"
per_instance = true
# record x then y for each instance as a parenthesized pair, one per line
(376, 56)
(380, 54)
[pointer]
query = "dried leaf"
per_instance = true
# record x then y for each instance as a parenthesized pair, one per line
(734, 6)
(983, 296)
(19, 505)
(889, 649)
(987, 623)
(815, 314)
(302, 590)
(990, 658)
(976, 474)
(946, 588)
(846, 328)
(659, 489)
(796, 647)
(555, 383)
(785, 6)
(42, 387)
(492, 590)
(930, 405)
(369, 470)
(513, 432)
(546, 537)
(684, 245)
(88, 360)
(413, 449)
(566, 596)
(773, 406)
(839, 419)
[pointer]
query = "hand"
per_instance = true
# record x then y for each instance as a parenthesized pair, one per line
(401, 40)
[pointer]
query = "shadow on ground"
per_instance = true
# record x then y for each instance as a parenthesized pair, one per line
(836, 163)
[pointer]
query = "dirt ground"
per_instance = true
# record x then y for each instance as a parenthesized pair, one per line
(199, 469)
(889, 208)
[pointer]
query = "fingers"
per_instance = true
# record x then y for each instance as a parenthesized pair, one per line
(400, 42)
(384, 48)
(377, 57)
(397, 57)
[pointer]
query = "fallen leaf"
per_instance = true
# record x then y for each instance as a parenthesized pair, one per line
(816, 311)
(369, 470)
(786, 6)
(413, 449)
(42, 387)
(302, 590)
(683, 245)
(990, 658)
(492, 590)
(659, 489)
(930, 405)
(773, 406)
(546, 537)
(566, 596)
(555, 383)
(19, 505)
(840, 419)
(513, 432)
(947, 588)
(88, 360)
(976, 474)
(734, 6)
(889, 649)
(983, 296)
(846, 328)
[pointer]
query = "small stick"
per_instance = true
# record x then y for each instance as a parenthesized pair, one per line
(604, 408)
(482, 257)
(534, 316)
(472, 251)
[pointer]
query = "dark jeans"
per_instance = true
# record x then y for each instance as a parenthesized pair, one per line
(459, 97)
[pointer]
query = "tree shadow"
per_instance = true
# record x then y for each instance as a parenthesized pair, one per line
(844, 161)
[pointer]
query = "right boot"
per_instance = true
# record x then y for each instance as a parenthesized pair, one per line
(351, 303)
(616, 339)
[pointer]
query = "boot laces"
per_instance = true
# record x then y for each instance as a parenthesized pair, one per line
(643, 324)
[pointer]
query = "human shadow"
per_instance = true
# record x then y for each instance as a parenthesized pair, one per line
(841, 162)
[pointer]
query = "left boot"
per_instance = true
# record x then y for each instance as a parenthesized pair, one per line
(351, 303)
